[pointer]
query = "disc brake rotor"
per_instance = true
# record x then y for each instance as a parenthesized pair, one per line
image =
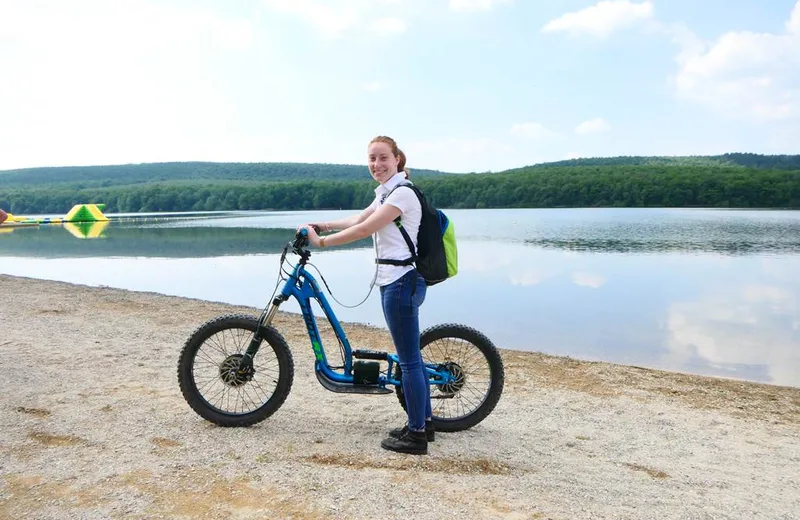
(231, 375)
(458, 378)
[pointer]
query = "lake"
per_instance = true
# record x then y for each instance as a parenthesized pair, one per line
(714, 292)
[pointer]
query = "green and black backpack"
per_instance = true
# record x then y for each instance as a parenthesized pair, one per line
(437, 258)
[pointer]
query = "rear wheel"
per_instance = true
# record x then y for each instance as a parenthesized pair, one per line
(213, 385)
(477, 370)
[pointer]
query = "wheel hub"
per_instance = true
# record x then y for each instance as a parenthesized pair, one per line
(231, 375)
(458, 378)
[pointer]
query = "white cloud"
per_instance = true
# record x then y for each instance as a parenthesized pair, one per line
(462, 155)
(108, 82)
(373, 87)
(119, 25)
(330, 21)
(745, 74)
(388, 26)
(593, 126)
(532, 130)
(793, 25)
(475, 5)
(461, 146)
(594, 281)
(332, 18)
(602, 19)
(689, 43)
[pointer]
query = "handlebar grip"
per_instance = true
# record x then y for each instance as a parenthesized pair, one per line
(300, 239)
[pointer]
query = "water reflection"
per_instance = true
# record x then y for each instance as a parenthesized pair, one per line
(736, 246)
(751, 331)
(86, 230)
(726, 316)
(636, 287)
(662, 231)
(595, 281)
(165, 239)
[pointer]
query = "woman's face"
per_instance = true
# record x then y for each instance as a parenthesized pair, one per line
(382, 163)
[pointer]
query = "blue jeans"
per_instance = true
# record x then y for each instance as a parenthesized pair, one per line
(401, 300)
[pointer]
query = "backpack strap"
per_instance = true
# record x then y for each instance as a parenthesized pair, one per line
(406, 237)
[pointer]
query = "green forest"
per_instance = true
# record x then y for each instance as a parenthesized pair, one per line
(733, 180)
(744, 160)
(79, 177)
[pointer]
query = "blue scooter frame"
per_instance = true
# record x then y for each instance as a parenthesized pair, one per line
(302, 286)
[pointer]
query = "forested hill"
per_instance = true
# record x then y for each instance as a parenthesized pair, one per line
(764, 182)
(80, 177)
(202, 172)
(744, 160)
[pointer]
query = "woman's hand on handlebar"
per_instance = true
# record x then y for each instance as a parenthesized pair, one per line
(313, 236)
(321, 227)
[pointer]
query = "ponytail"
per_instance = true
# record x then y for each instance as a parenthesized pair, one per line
(401, 165)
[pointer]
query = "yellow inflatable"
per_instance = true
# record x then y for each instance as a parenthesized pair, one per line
(86, 213)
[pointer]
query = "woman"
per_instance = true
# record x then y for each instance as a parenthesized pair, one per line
(402, 288)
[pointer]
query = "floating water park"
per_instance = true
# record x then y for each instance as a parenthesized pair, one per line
(78, 213)
(83, 221)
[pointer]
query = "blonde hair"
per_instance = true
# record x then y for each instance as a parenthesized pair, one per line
(397, 152)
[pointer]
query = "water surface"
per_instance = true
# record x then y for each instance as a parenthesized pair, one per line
(713, 292)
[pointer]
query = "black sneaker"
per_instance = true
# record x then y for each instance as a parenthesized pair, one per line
(430, 431)
(413, 443)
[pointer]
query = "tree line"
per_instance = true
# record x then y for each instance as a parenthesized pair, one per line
(745, 160)
(80, 177)
(532, 187)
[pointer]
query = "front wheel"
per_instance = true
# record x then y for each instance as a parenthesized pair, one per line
(478, 373)
(213, 385)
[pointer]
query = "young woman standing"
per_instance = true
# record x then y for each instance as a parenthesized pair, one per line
(402, 289)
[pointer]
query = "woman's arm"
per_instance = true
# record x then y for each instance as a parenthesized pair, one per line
(344, 223)
(374, 221)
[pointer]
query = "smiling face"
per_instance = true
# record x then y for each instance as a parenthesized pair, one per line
(381, 161)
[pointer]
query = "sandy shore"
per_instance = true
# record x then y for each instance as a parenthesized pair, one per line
(94, 426)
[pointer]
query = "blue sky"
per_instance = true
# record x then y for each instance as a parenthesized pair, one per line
(463, 85)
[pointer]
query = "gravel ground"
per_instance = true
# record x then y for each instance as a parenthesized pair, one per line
(94, 426)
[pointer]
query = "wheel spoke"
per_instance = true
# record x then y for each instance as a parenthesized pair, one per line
(207, 357)
(257, 386)
(214, 342)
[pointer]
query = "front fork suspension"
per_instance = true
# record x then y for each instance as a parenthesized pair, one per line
(246, 362)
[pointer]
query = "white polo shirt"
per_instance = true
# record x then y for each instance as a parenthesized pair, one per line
(389, 241)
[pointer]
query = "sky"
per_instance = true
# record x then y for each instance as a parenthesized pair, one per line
(462, 85)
